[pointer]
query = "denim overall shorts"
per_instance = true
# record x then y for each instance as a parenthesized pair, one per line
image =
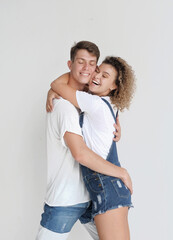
(106, 192)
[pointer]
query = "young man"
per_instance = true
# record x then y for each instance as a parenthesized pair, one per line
(67, 199)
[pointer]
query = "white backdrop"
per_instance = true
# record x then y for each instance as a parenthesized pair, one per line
(35, 39)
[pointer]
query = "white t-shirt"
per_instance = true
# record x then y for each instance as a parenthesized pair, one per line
(98, 122)
(65, 185)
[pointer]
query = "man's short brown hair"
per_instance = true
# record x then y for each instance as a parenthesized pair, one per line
(86, 45)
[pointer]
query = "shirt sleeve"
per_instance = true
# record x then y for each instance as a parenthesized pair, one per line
(87, 102)
(65, 119)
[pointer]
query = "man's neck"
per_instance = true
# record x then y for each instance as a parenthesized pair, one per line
(74, 84)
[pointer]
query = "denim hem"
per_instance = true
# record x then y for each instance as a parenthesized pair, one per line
(52, 230)
(86, 221)
(114, 207)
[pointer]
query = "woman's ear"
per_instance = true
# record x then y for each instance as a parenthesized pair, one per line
(113, 87)
(69, 63)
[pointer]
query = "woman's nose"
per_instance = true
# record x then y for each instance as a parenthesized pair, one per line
(97, 75)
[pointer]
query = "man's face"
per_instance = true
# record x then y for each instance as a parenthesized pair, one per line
(83, 66)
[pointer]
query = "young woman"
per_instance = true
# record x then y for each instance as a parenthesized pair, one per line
(112, 85)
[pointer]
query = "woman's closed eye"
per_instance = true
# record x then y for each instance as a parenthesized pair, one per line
(104, 76)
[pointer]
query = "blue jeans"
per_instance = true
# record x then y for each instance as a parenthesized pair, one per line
(61, 219)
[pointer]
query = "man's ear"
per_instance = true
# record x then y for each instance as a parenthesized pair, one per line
(69, 63)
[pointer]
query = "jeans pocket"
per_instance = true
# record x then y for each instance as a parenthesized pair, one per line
(94, 184)
(120, 188)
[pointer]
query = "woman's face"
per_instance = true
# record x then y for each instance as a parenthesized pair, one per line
(103, 80)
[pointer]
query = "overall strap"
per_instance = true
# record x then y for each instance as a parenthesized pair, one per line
(111, 109)
(81, 116)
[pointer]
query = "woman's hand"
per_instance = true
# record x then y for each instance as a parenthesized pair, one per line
(117, 132)
(127, 180)
(49, 103)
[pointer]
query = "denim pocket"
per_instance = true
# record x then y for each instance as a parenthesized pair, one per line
(120, 188)
(94, 184)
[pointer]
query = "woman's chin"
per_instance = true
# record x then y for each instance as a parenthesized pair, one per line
(92, 90)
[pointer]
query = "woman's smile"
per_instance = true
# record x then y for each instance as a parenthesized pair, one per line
(103, 80)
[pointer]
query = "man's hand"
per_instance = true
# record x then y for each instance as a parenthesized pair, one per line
(49, 103)
(117, 132)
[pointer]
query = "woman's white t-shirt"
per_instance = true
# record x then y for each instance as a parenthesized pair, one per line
(98, 122)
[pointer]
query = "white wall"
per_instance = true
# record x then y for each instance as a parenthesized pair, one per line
(35, 39)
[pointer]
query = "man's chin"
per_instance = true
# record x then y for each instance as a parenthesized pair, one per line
(84, 81)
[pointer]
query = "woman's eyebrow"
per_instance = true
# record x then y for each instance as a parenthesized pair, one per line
(106, 73)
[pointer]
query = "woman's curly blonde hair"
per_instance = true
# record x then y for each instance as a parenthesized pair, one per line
(122, 96)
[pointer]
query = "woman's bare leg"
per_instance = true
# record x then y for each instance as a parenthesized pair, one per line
(113, 225)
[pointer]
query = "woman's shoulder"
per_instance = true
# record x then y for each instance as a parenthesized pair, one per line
(107, 98)
(87, 101)
(87, 95)
(109, 106)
